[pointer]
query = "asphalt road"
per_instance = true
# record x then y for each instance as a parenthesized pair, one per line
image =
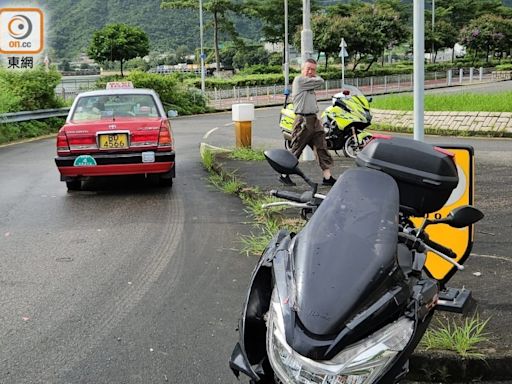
(126, 282)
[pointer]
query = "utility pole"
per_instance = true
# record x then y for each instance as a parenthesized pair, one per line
(202, 55)
(306, 40)
(286, 52)
(433, 26)
(306, 35)
(419, 68)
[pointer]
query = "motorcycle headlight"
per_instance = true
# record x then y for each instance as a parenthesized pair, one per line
(359, 363)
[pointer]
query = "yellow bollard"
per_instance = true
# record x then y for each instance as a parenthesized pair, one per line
(243, 134)
(243, 116)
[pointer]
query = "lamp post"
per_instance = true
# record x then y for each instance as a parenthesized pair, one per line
(202, 56)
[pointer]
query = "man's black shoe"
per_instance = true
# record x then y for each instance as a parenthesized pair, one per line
(329, 181)
(285, 179)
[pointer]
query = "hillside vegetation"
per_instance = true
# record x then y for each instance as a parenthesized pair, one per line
(72, 23)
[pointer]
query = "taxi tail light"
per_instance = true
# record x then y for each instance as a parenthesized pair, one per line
(165, 136)
(82, 140)
(139, 137)
(62, 144)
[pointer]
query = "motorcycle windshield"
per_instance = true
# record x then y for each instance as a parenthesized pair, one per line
(348, 91)
(346, 250)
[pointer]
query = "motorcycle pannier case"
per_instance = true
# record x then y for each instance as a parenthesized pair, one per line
(426, 175)
(287, 118)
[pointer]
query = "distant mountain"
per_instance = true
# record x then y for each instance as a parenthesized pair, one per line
(72, 23)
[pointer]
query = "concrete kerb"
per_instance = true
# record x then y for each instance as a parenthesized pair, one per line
(428, 366)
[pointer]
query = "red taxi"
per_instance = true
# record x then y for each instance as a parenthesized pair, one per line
(117, 131)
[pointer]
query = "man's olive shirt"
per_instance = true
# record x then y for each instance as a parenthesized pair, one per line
(303, 94)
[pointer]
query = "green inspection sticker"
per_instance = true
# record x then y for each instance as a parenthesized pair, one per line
(84, 161)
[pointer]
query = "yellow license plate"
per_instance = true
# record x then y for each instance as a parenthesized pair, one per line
(114, 141)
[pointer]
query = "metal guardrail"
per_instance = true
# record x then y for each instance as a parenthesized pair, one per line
(16, 117)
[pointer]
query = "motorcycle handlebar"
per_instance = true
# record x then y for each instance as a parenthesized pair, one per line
(292, 196)
(438, 247)
(425, 244)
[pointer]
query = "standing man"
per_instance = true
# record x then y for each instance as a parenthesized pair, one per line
(307, 128)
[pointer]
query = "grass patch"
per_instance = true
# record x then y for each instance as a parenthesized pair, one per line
(254, 207)
(255, 244)
(247, 154)
(460, 338)
(226, 183)
(266, 222)
(208, 159)
(487, 102)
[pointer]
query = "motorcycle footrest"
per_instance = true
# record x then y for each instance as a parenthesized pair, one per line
(455, 300)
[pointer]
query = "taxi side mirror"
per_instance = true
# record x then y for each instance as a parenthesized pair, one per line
(172, 113)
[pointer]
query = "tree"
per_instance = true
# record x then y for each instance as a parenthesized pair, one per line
(371, 29)
(443, 36)
(488, 33)
(459, 13)
(271, 13)
(219, 9)
(118, 42)
(250, 55)
(327, 33)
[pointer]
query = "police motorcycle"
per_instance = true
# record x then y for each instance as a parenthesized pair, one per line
(348, 298)
(344, 121)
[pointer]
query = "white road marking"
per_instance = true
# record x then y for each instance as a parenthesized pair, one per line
(493, 257)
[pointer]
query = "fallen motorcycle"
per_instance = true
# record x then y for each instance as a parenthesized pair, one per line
(348, 298)
(344, 122)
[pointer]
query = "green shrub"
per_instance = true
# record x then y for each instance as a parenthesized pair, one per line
(504, 67)
(261, 69)
(173, 92)
(28, 129)
(31, 88)
(8, 101)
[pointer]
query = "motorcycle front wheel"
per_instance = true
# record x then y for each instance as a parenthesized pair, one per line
(351, 148)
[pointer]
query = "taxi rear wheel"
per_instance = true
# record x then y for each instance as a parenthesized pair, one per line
(165, 181)
(74, 185)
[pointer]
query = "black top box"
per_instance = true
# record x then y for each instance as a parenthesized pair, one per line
(426, 175)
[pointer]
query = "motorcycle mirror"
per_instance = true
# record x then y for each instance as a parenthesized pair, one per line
(282, 161)
(370, 99)
(463, 216)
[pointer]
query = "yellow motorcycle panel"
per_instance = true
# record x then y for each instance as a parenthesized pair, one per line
(287, 118)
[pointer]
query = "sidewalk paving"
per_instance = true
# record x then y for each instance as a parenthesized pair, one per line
(487, 276)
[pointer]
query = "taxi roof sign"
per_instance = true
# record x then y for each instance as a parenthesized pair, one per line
(119, 85)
